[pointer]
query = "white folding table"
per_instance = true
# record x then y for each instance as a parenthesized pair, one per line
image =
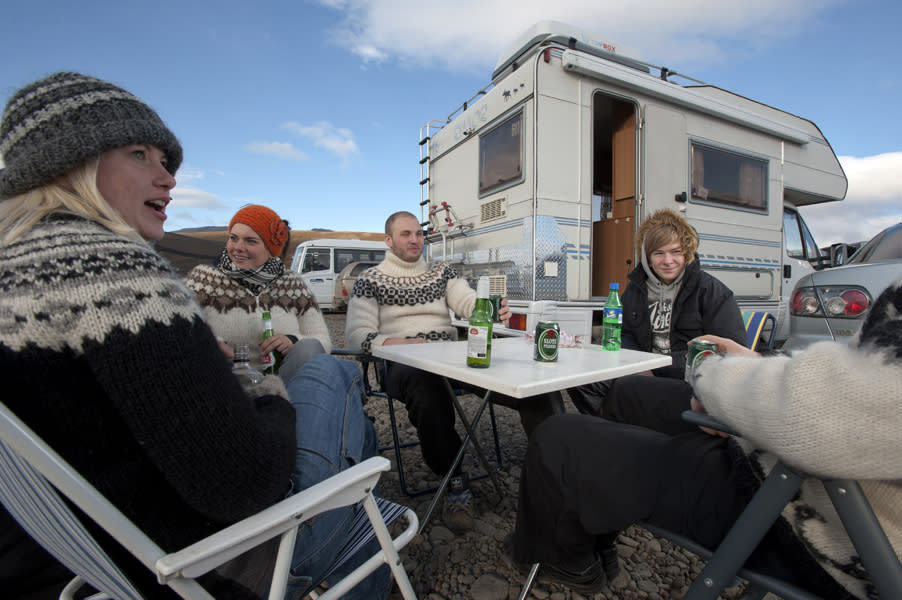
(514, 372)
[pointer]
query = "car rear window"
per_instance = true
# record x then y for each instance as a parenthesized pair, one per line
(887, 245)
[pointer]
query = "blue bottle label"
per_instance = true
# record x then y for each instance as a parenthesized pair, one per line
(614, 314)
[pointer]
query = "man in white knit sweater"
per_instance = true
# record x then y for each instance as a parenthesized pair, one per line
(404, 300)
(831, 410)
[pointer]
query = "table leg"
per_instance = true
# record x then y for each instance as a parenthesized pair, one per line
(469, 437)
(471, 434)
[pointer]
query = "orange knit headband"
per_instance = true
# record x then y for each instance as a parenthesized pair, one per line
(271, 229)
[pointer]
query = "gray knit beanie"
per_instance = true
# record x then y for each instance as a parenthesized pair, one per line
(56, 124)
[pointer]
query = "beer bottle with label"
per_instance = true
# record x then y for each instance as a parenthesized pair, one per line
(613, 319)
(479, 330)
(270, 361)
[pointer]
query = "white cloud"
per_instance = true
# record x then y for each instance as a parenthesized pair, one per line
(279, 149)
(188, 173)
(873, 201)
(469, 35)
(338, 140)
(192, 198)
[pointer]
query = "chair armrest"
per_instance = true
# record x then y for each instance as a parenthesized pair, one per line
(343, 489)
(706, 420)
(348, 352)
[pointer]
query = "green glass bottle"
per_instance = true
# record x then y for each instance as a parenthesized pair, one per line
(479, 330)
(613, 319)
(271, 361)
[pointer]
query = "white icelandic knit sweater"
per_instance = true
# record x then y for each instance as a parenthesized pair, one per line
(397, 299)
(235, 314)
(832, 410)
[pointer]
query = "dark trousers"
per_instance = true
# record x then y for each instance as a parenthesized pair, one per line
(653, 402)
(586, 478)
(431, 412)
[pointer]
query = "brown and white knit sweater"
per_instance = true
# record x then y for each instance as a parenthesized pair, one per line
(397, 299)
(235, 314)
(832, 411)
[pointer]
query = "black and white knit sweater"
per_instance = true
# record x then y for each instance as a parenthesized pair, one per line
(105, 353)
(235, 314)
(398, 299)
(831, 410)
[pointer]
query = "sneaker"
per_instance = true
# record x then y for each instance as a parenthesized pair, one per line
(457, 512)
(588, 580)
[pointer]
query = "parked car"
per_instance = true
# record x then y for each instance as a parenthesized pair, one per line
(831, 304)
(345, 282)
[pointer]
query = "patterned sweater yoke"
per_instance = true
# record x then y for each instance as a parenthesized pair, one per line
(397, 299)
(235, 313)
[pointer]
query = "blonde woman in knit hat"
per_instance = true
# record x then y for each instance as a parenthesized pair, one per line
(108, 357)
(251, 278)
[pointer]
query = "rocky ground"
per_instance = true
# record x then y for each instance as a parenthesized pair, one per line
(443, 566)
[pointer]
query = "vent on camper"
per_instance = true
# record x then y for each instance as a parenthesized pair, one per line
(498, 285)
(494, 209)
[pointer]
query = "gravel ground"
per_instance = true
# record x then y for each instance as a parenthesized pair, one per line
(443, 566)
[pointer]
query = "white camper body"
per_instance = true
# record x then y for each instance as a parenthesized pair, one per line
(319, 262)
(541, 180)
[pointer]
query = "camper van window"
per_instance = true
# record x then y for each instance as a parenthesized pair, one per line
(728, 178)
(317, 259)
(501, 156)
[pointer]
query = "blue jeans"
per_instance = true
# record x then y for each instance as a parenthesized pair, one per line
(333, 433)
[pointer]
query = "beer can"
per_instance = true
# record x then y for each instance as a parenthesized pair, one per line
(495, 300)
(697, 350)
(548, 335)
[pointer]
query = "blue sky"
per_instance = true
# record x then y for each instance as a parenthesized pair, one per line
(314, 107)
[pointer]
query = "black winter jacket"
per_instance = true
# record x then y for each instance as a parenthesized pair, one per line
(703, 305)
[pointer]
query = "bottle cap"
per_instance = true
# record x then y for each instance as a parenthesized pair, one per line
(615, 286)
(482, 287)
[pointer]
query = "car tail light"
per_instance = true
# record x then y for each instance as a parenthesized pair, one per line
(847, 302)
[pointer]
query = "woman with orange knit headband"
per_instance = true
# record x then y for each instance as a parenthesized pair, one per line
(250, 278)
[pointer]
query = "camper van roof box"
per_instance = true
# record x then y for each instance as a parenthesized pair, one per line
(544, 33)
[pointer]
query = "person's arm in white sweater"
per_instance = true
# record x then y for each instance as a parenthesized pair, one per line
(461, 298)
(362, 322)
(312, 324)
(832, 410)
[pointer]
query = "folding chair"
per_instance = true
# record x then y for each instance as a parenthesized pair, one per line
(756, 324)
(35, 483)
(376, 386)
(725, 564)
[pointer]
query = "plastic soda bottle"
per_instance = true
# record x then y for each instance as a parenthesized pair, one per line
(613, 319)
(242, 368)
(479, 330)
(271, 361)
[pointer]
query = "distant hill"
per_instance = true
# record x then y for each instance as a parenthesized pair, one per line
(187, 248)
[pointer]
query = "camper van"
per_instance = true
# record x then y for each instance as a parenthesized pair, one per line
(541, 179)
(320, 261)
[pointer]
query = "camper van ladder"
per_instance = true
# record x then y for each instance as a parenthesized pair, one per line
(425, 136)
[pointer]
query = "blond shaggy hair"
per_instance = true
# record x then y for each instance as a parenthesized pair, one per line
(665, 227)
